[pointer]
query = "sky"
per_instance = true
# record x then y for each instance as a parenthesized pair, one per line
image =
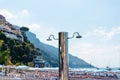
(97, 21)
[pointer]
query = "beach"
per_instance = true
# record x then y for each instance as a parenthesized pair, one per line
(53, 74)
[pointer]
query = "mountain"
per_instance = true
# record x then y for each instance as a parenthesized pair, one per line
(23, 52)
(50, 53)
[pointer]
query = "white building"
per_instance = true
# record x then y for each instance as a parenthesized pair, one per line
(9, 30)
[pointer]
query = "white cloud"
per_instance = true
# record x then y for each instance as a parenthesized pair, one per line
(94, 47)
(98, 55)
(7, 14)
(34, 28)
(104, 33)
(116, 30)
(25, 12)
(17, 17)
(16, 14)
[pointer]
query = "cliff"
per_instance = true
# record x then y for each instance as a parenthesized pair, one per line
(50, 53)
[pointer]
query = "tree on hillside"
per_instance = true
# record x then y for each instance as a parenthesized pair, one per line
(4, 57)
(23, 31)
(2, 36)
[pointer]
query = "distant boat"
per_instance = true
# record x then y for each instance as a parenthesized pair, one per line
(108, 68)
(118, 68)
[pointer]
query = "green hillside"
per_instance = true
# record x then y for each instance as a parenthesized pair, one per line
(15, 52)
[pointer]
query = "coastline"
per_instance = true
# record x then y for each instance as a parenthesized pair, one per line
(53, 74)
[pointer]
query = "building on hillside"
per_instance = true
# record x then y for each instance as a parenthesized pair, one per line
(47, 64)
(9, 30)
(11, 34)
(39, 62)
